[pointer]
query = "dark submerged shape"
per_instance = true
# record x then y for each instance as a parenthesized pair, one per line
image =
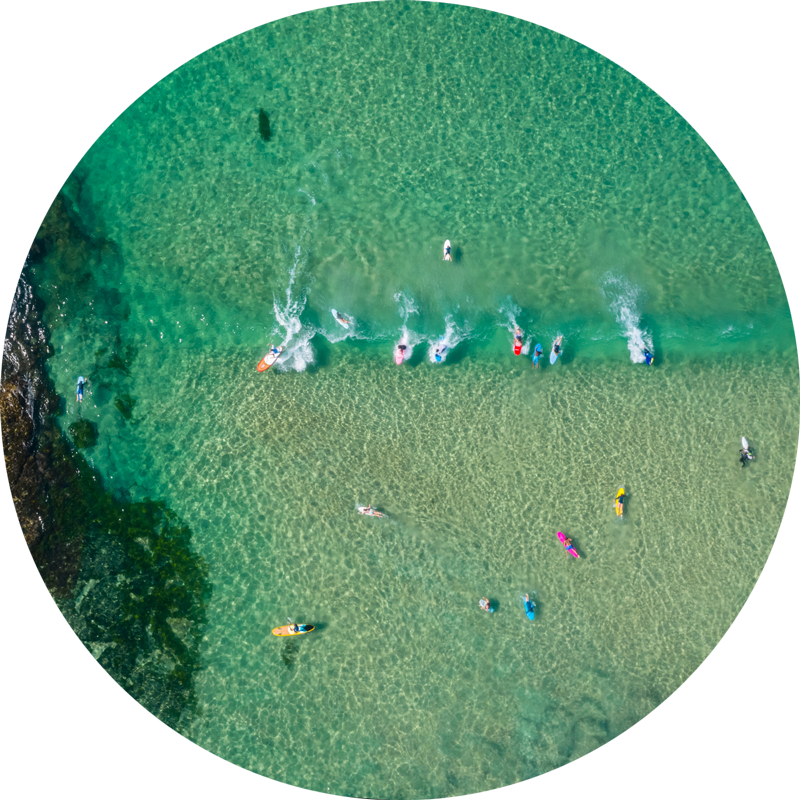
(263, 125)
(125, 404)
(83, 433)
(120, 578)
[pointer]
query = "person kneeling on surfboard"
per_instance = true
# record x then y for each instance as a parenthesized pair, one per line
(298, 628)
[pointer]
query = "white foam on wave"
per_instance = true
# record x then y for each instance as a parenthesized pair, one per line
(405, 307)
(297, 351)
(453, 334)
(624, 301)
(511, 311)
(309, 196)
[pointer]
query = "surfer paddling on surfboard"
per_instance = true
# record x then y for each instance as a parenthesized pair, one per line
(556, 351)
(537, 356)
(448, 256)
(270, 358)
(517, 341)
(399, 353)
(342, 320)
(370, 511)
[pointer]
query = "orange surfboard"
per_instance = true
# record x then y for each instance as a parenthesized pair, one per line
(269, 359)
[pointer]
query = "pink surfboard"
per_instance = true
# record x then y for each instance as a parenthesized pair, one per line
(563, 540)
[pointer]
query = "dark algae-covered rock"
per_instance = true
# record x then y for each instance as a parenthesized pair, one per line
(125, 404)
(117, 594)
(83, 433)
(263, 125)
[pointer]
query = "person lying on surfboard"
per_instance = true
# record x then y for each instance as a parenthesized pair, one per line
(568, 546)
(342, 319)
(274, 350)
(299, 628)
(371, 512)
(648, 357)
(518, 335)
(447, 254)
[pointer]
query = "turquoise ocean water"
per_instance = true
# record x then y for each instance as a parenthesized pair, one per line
(578, 204)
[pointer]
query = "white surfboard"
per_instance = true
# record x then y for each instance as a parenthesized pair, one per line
(344, 322)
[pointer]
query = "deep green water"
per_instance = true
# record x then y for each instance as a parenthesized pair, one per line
(577, 203)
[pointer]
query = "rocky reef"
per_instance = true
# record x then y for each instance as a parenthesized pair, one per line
(102, 600)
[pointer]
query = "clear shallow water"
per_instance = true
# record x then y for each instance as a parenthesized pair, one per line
(578, 203)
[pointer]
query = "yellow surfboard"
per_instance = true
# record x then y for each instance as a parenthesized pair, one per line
(619, 500)
(286, 630)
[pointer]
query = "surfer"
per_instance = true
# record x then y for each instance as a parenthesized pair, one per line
(370, 511)
(568, 546)
(518, 335)
(447, 254)
(529, 606)
(648, 357)
(274, 350)
(556, 348)
(745, 455)
(81, 383)
(341, 319)
(537, 355)
(295, 628)
(620, 505)
(484, 604)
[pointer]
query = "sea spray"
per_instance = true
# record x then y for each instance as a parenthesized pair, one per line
(405, 307)
(624, 301)
(453, 334)
(511, 311)
(297, 351)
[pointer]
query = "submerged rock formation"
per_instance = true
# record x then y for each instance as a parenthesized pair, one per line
(118, 579)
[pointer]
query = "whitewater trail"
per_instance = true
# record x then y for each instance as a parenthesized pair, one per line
(624, 301)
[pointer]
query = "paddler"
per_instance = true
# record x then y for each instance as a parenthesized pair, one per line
(81, 384)
(447, 255)
(295, 628)
(568, 546)
(518, 335)
(648, 357)
(529, 606)
(537, 355)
